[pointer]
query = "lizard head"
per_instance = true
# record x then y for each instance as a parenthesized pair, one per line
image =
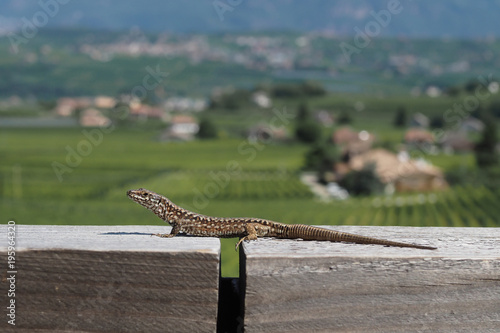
(146, 198)
(158, 204)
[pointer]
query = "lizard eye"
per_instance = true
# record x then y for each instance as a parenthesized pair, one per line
(145, 194)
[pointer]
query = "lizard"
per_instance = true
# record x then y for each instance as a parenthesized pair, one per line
(185, 221)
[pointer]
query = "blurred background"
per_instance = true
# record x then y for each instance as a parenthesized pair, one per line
(320, 112)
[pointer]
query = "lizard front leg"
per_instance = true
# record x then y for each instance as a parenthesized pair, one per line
(175, 230)
(251, 234)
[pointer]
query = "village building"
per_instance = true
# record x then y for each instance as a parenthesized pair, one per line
(351, 142)
(183, 104)
(472, 125)
(93, 118)
(144, 111)
(181, 128)
(456, 142)
(104, 102)
(400, 172)
(262, 100)
(418, 136)
(66, 106)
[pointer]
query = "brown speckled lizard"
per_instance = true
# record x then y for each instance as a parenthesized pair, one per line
(185, 221)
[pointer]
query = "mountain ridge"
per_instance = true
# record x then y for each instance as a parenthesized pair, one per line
(424, 19)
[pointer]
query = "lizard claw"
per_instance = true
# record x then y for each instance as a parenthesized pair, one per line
(163, 235)
(239, 242)
(249, 237)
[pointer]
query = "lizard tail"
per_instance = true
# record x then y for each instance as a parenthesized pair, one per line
(308, 232)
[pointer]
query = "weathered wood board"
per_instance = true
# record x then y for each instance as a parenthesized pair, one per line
(114, 279)
(308, 286)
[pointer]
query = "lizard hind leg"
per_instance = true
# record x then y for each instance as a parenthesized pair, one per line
(173, 232)
(251, 235)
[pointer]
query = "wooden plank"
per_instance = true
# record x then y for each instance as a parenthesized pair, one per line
(305, 286)
(114, 279)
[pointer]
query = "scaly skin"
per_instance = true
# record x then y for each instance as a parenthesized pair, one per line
(185, 221)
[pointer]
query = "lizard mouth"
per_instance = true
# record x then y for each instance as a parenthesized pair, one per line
(140, 195)
(133, 194)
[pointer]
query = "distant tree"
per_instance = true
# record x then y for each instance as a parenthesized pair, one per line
(284, 90)
(311, 88)
(480, 113)
(47, 105)
(306, 129)
(437, 122)
(492, 176)
(230, 100)
(344, 118)
(495, 108)
(207, 129)
(303, 113)
(120, 114)
(288, 90)
(485, 149)
(308, 132)
(452, 91)
(321, 158)
(362, 182)
(471, 86)
(400, 118)
(460, 175)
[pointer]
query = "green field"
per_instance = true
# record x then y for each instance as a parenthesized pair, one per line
(227, 177)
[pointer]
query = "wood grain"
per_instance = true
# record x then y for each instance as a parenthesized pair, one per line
(305, 286)
(115, 279)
